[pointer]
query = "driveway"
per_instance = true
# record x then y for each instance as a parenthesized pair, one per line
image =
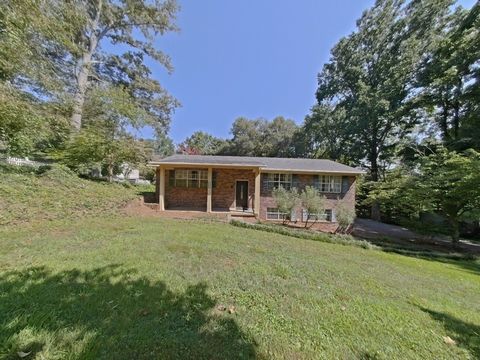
(375, 230)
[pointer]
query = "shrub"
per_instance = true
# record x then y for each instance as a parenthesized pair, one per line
(286, 200)
(345, 216)
(305, 234)
(312, 202)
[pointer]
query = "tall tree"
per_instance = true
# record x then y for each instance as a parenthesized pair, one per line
(202, 143)
(104, 139)
(133, 24)
(370, 76)
(449, 81)
(259, 137)
(447, 182)
(326, 134)
(30, 122)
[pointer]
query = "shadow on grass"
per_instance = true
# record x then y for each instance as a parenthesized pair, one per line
(109, 313)
(466, 335)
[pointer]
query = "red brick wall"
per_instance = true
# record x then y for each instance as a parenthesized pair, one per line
(223, 194)
(186, 198)
(332, 200)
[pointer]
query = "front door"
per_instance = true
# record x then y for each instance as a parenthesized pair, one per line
(241, 195)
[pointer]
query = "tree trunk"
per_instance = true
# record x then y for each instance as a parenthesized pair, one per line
(110, 172)
(83, 65)
(79, 96)
(456, 109)
(375, 209)
(444, 123)
(455, 232)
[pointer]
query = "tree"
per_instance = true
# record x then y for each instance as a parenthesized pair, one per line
(326, 134)
(286, 200)
(202, 143)
(397, 201)
(259, 137)
(370, 77)
(312, 202)
(449, 81)
(279, 137)
(448, 182)
(163, 145)
(30, 121)
(110, 111)
(93, 147)
(133, 24)
(27, 127)
(345, 215)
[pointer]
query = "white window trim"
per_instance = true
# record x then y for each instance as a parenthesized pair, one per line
(318, 217)
(274, 211)
(200, 177)
(276, 183)
(332, 183)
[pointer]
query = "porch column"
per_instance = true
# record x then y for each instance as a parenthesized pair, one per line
(161, 200)
(209, 191)
(157, 184)
(256, 199)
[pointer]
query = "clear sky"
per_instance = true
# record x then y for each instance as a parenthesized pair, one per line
(253, 58)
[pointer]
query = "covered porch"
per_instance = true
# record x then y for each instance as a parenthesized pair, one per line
(231, 190)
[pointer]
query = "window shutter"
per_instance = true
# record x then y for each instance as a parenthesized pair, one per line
(295, 181)
(171, 178)
(334, 216)
(345, 184)
(293, 215)
(304, 215)
(214, 179)
(264, 178)
(316, 182)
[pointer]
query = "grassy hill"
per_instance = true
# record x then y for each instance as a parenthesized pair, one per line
(55, 192)
(95, 283)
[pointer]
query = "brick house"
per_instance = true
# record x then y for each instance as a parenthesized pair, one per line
(238, 184)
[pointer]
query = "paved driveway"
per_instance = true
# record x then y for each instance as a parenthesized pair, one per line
(370, 229)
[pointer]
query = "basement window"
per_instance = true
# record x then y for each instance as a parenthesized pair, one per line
(274, 214)
(326, 216)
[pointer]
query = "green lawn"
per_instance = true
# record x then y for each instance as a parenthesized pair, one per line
(118, 287)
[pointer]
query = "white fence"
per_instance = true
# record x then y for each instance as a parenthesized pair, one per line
(23, 161)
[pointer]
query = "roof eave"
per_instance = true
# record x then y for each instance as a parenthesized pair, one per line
(301, 171)
(158, 163)
(263, 168)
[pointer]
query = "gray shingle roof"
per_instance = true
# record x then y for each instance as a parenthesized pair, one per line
(266, 163)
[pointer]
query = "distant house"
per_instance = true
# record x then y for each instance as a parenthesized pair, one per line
(244, 184)
(131, 175)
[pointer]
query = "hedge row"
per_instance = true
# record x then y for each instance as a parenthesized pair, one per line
(304, 234)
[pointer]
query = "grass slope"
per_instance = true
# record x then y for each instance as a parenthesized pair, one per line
(126, 287)
(27, 194)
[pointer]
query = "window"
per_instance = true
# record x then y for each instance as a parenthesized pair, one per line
(330, 184)
(276, 180)
(326, 216)
(191, 178)
(274, 214)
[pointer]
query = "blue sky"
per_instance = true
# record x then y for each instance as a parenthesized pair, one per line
(253, 58)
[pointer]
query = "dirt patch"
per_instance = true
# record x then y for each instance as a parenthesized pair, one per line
(139, 208)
